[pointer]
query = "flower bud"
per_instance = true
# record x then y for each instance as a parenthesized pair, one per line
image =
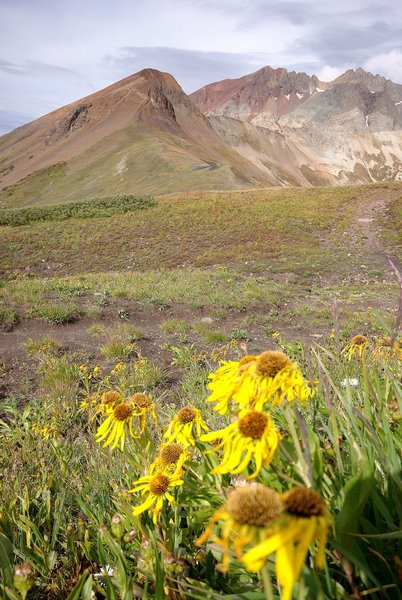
(23, 580)
(117, 527)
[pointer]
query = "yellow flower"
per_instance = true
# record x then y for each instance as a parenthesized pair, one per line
(304, 521)
(109, 401)
(170, 459)
(385, 348)
(252, 436)
(155, 489)
(358, 345)
(113, 430)
(255, 380)
(44, 431)
(247, 515)
(97, 371)
(83, 369)
(117, 368)
(90, 402)
(143, 405)
(181, 428)
(225, 381)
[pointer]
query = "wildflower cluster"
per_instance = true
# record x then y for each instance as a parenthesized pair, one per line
(255, 521)
(249, 389)
(166, 470)
(383, 349)
(122, 416)
(286, 524)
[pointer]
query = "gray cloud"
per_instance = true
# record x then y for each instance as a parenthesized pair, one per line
(191, 68)
(31, 67)
(55, 52)
(336, 45)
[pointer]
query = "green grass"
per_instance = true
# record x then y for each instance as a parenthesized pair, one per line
(175, 326)
(8, 318)
(293, 236)
(116, 349)
(55, 314)
(89, 209)
(209, 334)
(261, 228)
(45, 345)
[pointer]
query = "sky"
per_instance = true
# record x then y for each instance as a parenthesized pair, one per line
(53, 52)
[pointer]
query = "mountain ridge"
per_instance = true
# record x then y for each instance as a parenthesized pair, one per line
(144, 134)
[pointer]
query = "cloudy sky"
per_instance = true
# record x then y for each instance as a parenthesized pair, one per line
(53, 52)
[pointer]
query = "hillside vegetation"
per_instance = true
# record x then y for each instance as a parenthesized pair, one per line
(112, 329)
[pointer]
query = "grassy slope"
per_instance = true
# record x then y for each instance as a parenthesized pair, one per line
(128, 161)
(195, 229)
(282, 251)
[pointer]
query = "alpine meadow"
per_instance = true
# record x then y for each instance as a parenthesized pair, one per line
(200, 342)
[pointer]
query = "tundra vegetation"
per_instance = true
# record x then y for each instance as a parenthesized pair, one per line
(203, 399)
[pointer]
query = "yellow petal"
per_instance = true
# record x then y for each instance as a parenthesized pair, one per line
(137, 510)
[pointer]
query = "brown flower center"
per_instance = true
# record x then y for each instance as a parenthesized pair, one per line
(253, 424)
(111, 397)
(254, 505)
(385, 342)
(141, 400)
(359, 340)
(159, 485)
(122, 411)
(271, 362)
(186, 415)
(303, 502)
(170, 454)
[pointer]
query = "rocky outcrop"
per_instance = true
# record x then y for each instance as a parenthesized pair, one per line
(73, 121)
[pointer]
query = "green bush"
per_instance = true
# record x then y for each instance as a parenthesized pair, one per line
(87, 209)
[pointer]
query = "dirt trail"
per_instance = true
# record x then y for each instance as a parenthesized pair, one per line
(367, 227)
(363, 238)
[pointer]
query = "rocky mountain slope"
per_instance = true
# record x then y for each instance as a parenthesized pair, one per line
(347, 130)
(144, 134)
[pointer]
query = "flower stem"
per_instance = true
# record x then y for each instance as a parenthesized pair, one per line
(303, 466)
(266, 579)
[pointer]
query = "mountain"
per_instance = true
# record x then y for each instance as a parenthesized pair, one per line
(142, 134)
(145, 135)
(346, 131)
(267, 91)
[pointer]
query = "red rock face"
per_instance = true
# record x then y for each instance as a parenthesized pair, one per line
(279, 93)
(271, 91)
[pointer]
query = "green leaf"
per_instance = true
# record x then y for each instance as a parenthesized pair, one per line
(356, 493)
(392, 535)
(75, 594)
(87, 589)
(6, 560)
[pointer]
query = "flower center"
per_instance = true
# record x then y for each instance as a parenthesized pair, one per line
(254, 505)
(111, 397)
(159, 485)
(122, 411)
(253, 424)
(186, 415)
(359, 340)
(170, 454)
(271, 362)
(303, 502)
(141, 400)
(385, 342)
